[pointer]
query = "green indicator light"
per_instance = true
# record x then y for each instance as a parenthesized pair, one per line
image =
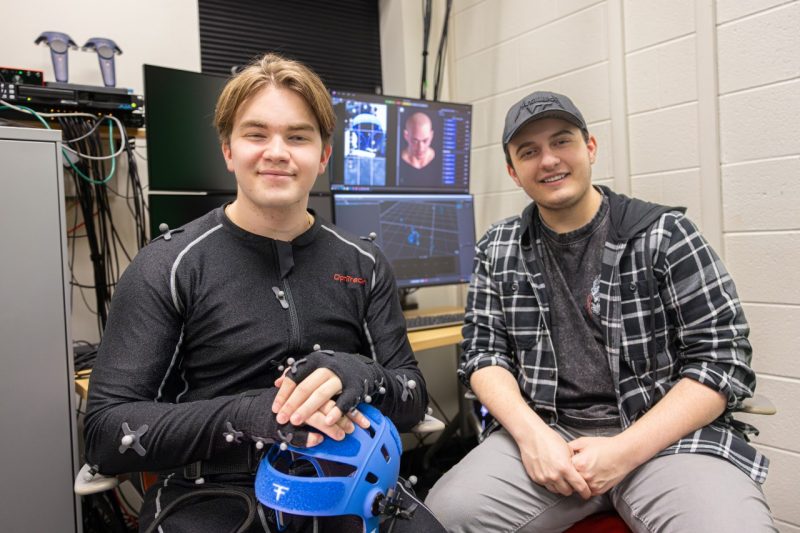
(29, 98)
(20, 72)
(133, 105)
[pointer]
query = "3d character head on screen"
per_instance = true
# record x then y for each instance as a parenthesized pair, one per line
(418, 134)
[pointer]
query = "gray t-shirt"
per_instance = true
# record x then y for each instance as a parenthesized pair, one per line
(572, 262)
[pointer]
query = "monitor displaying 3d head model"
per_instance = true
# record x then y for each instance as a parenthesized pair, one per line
(428, 238)
(390, 144)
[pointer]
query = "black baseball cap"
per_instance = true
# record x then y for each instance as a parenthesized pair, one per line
(537, 105)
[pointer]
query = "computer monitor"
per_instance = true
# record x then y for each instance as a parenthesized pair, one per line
(429, 239)
(183, 149)
(390, 144)
(175, 210)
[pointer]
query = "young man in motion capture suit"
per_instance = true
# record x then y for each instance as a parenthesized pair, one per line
(189, 377)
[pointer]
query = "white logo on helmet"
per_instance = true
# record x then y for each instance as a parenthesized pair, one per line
(280, 490)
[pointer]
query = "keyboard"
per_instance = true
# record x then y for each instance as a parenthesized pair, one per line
(421, 320)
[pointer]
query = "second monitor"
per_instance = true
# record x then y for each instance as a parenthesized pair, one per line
(429, 239)
(391, 144)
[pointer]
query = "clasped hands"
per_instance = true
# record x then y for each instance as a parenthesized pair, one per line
(314, 397)
(589, 466)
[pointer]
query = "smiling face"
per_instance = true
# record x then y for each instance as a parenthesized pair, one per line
(552, 162)
(275, 150)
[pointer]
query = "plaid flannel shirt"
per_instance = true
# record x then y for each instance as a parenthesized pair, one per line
(701, 332)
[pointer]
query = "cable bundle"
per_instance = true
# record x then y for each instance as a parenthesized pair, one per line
(440, 54)
(90, 177)
(91, 170)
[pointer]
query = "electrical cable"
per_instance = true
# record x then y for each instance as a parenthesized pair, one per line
(441, 53)
(439, 407)
(84, 286)
(426, 33)
(139, 208)
(96, 124)
(224, 492)
(65, 149)
(72, 258)
(91, 174)
(78, 114)
(85, 192)
(99, 158)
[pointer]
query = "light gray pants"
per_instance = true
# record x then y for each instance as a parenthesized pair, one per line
(489, 491)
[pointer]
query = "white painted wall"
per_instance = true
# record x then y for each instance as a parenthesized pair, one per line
(694, 103)
(759, 113)
(149, 31)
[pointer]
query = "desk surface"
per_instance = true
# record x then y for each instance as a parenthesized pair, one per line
(425, 339)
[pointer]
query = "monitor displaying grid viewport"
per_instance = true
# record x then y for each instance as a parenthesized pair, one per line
(429, 239)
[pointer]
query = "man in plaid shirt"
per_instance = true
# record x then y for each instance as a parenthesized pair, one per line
(606, 339)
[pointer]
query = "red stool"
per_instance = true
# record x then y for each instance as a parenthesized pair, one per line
(607, 522)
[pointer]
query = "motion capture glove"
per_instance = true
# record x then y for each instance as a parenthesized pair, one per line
(256, 421)
(361, 378)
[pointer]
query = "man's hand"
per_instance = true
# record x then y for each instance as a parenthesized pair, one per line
(548, 462)
(544, 453)
(601, 461)
(310, 402)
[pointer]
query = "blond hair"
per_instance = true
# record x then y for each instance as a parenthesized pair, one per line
(277, 71)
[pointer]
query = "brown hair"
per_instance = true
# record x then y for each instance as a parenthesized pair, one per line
(274, 70)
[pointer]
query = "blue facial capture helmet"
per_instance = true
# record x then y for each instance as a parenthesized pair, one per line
(351, 476)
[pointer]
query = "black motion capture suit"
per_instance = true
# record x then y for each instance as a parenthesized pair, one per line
(200, 323)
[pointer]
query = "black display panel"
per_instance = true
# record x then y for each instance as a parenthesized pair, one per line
(183, 151)
(429, 239)
(391, 144)
(177, 209)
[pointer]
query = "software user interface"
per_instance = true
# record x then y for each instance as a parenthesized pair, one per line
(428, 238)
(388, 144)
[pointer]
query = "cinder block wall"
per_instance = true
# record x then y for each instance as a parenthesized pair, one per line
(759, 111)
(694, 103)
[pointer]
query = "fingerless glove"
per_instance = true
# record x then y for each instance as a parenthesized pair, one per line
(361, 378)
(256, 420)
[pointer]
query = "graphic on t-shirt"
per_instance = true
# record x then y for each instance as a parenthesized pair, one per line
(593, 298)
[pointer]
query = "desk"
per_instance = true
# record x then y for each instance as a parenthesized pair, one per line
(425, 339)
(82, 383)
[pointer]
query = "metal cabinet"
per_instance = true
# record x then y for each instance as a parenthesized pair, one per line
(38, 455)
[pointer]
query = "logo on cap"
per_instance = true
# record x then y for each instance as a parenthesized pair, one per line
(537, 105)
